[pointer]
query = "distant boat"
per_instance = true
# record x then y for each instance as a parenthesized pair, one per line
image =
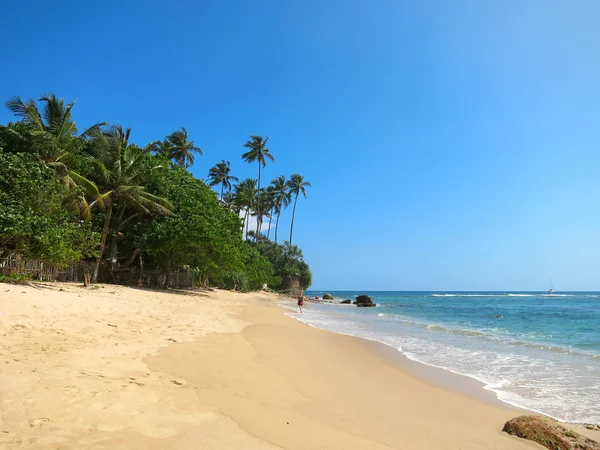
(551, 290)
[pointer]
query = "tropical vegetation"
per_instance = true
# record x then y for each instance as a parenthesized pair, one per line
(98, 198)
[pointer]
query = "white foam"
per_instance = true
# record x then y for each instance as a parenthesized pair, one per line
(516, 375)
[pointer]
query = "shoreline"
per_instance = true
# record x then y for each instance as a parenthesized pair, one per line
(444, 378)
(434, 375)
(503, 387)
(321, 392)
(119, 367)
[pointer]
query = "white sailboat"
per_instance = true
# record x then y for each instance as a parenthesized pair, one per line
(551, 290)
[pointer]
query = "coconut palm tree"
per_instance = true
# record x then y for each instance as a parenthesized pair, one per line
(53, 135)
(229, 202)
(296, 185)
(178, 148)
(121, 169)
(219, 174)
(258, 151)
(268, 202)
(162, 148)
(281, 198)
(245, 196)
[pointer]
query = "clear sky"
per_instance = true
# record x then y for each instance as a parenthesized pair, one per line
(451, 145)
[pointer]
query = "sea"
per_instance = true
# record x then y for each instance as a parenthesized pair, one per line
(538, 351)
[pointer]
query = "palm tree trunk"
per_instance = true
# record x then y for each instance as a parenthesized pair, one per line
(270, 221)
(259, 217)
(293, 214)
(114, 244)
(102, 242)
(221, 192)
(247, 222)
(277, 225)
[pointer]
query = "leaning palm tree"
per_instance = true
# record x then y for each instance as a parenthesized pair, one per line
(52, 134)
(281, 198)
(258, 151)
(296, 185)
(245, 196)
(219, 174)
(180, 149)
(121, 170)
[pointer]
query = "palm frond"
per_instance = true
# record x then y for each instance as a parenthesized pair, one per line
(26, 110)
(91, 131)
(89, 187)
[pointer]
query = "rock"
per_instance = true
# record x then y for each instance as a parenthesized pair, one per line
(364, 301)
(328, 297)
(345, 302)
(549, 433)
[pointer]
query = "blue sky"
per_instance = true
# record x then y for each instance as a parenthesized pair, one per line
(450, 145)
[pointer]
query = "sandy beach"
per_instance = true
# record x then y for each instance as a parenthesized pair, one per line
(125, 368)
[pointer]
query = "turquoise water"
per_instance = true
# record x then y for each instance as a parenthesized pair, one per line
(534, 350)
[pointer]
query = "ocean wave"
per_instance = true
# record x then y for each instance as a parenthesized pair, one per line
(484, 295)
(508, 375)
(501, 294)
(454, 330)
(552, 348)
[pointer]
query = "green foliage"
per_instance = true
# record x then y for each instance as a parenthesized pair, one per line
(220, 174)
(201, 234)
(237, 281)
(256, 272)
(33, 219)
(259, 270)
(17, 278)
(136, 207)
(177, 147)
(287, 261)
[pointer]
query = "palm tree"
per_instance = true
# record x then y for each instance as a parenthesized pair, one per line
(162, 148)
(258, 152)
(245, 196)
(179, 148)
(296, 185)
(219, 174)
(281, 198)
(229, 202)
(268, 202)
(121, 169)
(53, 135)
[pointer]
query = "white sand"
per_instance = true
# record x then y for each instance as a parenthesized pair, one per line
(124, 368)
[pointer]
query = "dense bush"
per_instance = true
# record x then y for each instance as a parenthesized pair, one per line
(287, 261)
(201, 234)
(34, 221)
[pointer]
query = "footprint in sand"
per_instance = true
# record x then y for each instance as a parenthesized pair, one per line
(38, 422)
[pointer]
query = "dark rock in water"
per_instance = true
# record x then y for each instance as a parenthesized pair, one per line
(549, 433)
(346, 302)
(364, 301)
(328, 297)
